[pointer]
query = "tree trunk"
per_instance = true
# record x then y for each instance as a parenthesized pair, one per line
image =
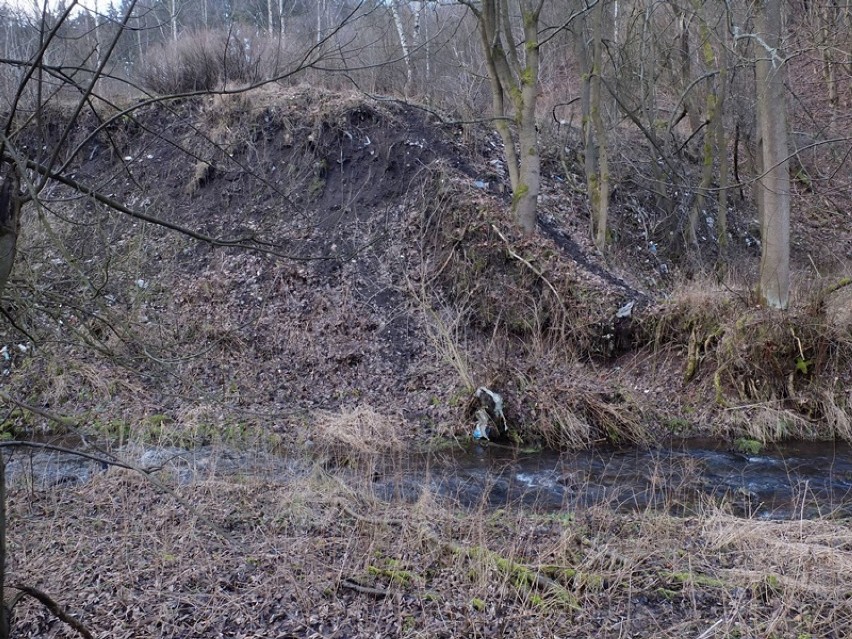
(526, 196)
(403, 43)
(774, 182)
(513, 71)
(487, 30)
(174, 20)
(10, 219)
(722, 141)
(713, 109)
(598, 182)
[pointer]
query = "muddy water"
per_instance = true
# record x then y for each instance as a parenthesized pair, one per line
(794, 480)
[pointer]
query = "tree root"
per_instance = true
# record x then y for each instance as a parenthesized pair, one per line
(364, 590)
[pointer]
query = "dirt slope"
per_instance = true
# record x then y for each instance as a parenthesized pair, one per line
(405, 285)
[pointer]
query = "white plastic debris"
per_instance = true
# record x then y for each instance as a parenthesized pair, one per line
(626, 310)
(481, 429)
(490, 415)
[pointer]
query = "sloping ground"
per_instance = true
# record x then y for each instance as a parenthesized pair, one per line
(405, 287)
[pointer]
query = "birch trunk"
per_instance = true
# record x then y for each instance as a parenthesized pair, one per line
(403, 42)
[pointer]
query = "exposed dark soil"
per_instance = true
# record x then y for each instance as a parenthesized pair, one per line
(406, 287)
(378, 282)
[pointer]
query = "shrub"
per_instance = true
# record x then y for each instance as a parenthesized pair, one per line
(202, 61)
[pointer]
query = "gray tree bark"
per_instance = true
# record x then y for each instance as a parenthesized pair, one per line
(513, 72)
(598, 179)
(774, 181)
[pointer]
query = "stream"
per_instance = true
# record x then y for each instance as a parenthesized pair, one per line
(790, 480)
(785, 481)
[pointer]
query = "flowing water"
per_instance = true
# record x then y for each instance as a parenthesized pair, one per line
(792, 480)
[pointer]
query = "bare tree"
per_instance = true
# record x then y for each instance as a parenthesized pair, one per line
(774, 181)
(513, 71)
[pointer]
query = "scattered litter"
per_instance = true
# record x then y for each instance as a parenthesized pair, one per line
(482, 422)
(490, 420)
(626, 310)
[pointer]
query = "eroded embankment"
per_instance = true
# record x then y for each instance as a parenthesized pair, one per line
(405, 287)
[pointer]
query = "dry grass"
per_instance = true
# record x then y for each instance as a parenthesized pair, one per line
(774, 375)
(317, 557)
(352, 435)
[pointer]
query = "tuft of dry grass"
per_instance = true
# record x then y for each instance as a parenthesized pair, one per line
(778, 374)
(352, 435)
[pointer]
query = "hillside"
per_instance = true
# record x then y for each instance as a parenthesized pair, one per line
(295, 292)
(377, 267)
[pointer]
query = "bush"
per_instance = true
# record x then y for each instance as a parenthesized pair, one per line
(202, 61)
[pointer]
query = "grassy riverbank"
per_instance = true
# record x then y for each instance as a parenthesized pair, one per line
(318, 556)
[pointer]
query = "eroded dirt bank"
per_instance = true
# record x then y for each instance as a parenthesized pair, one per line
(385, 285)
(388, 275)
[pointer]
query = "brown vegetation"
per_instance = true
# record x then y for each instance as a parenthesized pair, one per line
(315, 557)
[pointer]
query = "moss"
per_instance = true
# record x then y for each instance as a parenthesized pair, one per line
(525, 579)
(402, 577)
(694, 579)
(537, 600)
(677, 425)
(748, 446)
(517, 98)
(158, 420)
(519, 194)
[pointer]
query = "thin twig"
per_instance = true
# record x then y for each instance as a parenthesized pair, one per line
(55, 608)
(365, 590)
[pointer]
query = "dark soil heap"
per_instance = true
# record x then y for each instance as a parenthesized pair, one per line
(382, 270)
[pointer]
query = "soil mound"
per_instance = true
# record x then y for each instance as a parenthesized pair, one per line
(361, 255)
